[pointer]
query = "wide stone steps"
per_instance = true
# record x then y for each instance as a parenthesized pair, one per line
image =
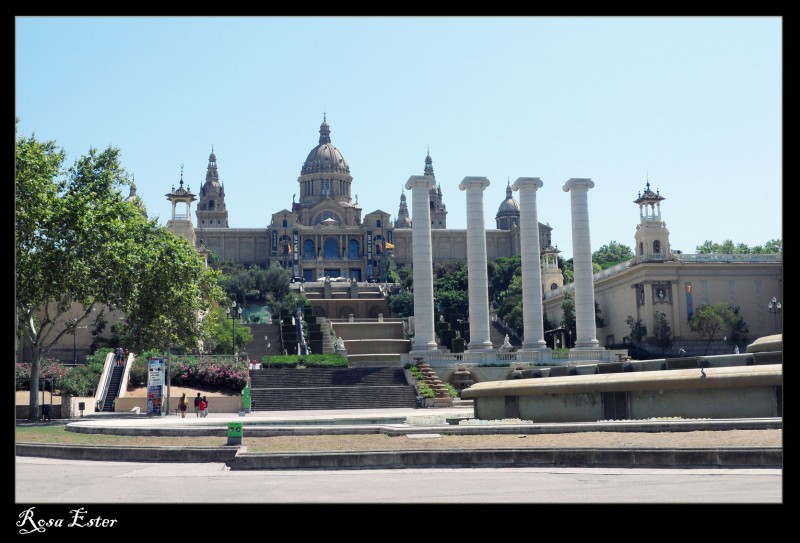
(278, 399)
(320, 377)
(330, 388)
(430, 377)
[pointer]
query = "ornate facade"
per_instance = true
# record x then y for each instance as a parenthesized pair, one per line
(323, 233)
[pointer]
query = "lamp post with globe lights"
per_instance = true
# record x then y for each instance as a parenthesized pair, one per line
(234, 313)
(774, 307)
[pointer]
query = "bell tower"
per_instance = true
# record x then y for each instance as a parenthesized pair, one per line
(652, 236)
(181, 223)
(438, 209)
(211, 211)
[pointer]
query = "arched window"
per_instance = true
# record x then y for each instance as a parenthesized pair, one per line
(327, 214)
(211, 204)
(353, 249)
(308, 249)
(656, 247)
(378, 223)
(553, 286)
(331, 248)
(641, 249)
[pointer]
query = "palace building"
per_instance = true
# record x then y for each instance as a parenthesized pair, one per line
(326, 232)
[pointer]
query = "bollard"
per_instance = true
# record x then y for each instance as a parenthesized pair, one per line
(234, 433)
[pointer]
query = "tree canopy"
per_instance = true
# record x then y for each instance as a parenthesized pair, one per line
(82, 248)
(611, 254)
(728, 247)
(711, 320)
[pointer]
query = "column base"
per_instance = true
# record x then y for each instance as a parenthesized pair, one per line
(592, 345)
(538, 346)
(480, 347)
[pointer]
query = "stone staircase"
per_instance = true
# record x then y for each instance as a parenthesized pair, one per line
(327, 341)
(257, 349)
(279, 389)
(497, 336)
(373, 344)
(442, 398)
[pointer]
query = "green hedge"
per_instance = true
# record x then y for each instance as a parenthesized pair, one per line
(307, 361)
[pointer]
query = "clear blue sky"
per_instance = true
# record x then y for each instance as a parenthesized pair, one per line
(692, 103)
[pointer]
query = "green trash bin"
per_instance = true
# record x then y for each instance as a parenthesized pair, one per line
(246, 399)
(235, 431)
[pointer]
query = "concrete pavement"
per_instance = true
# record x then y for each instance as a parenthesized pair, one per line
(401, 422)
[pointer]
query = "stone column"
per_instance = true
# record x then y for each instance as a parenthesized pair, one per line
(422, 261)
(586, 331)
(532, 307)
(478, 281)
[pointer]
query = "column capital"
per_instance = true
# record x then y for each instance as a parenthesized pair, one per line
(481, 182)
(578, 182)
(534, 182)
(425, 181)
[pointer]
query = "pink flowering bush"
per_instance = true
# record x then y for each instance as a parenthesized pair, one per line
(49, 368)
(208, 372)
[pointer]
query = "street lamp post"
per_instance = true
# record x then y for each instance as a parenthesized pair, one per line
(234, 313)
(774, 307)
(74, 350)
(268, 352)
(569, 345)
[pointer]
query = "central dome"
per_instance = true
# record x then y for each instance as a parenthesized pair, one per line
(325, 158)
(509, 206)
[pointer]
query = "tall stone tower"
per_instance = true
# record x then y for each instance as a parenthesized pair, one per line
(652, 236)
(211, 211)
(552, 276)
(181, 223)
(403, 218)
(438, 209)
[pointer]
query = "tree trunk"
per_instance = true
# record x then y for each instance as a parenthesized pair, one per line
(33, 404)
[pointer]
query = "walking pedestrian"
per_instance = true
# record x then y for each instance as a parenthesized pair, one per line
(202, 407)
(182, 404)
(197, 405)
(205, 408)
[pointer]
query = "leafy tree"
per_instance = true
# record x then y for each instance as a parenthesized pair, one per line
(80, 245)
(220, 340)
(611, 254)
(406, 277)
(274, 281)
(450, 287)
(73, 243)
(515, 322)
(638, 330)
(711, 320)
(599, 321)
(739, 330)
(567, 270)
(500, 272)
(401, 303)
(510, 298)
(728, 247)
(568, 314)
(662, 333)
(173, 288)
